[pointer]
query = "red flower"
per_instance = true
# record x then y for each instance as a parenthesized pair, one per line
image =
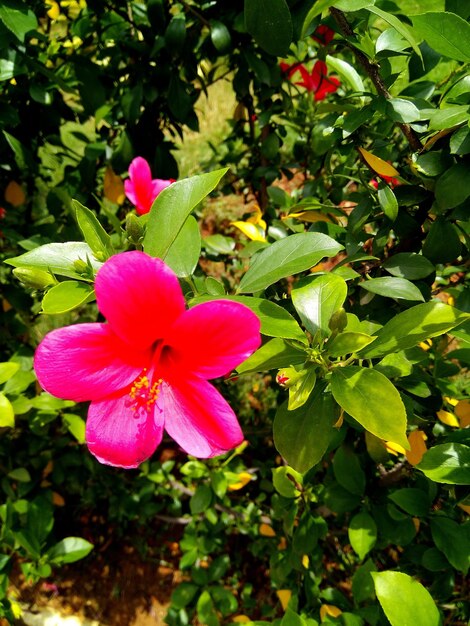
(318, 82)
(323, 34)
(3, 213)
(287, 69)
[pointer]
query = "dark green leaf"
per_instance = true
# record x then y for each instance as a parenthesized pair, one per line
(446, 33)
(408, 265)
(388, 202)
(399, 288)
(453, 540)
(452, 187)
(95, 235)
(413, 501)
(348, 471)
(18, 18)
(274, 354)
(270, 23)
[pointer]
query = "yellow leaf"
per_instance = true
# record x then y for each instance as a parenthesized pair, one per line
(265, 530)
(329, 610)
(57, 499)
(113, 187)
(451, 401)
(448, 419)
(308, 216)
(282, 545)
(416, 440)
(241, 619)
(377, 164)
(465, 507)
(340, 421)
(244, 479)
(305, 561)
(14, 194)
(284, 596)
(416, 523)
(394, 448)
(425, 345)
(462, 410)
(252, 231)
(53, 10)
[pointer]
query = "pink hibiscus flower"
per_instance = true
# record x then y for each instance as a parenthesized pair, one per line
(146, 369)
(317, 81)
(140, 189)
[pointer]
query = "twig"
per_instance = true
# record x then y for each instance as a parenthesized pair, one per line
(372, 69)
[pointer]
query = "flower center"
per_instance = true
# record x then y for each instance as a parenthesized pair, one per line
(143, 393)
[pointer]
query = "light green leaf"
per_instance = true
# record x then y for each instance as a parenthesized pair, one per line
(274, 354)
(66, 296)
(75, 425)
(316, 298)
(300, 390)
(404, 600)
(287, 257)
(275, 320)
(369, 397)
(7, 414)
(7, 370)
(439, 119)
(303, 436)
(401, 110)
(59, 258)
(284, 479)
(23, 156)
(408, 328)
(347, 343)
(404, 30)
(69, 550)
(270, 24)
(172, 207)
(408, 265)
(388, 202)
(347, 72)
(183, 254)
(447, 463)
(18, 18)
(399, 288)
(94, 234)
(362, 533)
(394, 365)
(20, 474)
(446, 33)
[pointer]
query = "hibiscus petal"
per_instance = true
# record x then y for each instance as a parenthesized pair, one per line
(86, 362)
(212, 338)
(120, 436)
(158, 185)
(140, 297)
(198, 418)
(139, 188)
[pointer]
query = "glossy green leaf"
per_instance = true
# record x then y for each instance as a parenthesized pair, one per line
(348, 471)
(69, 550)
(303, 436)
(408, 265)
(439, 119)
(347, 72)
(389, 287)
(446, 33)
(66, 296)
(300, 390)
(408, 328)
(362, 533)
(401, 110)
(286, 481)
(75, 425)
(404, 30)
(388, 202)
(18, 18)
(414, 501)
(287, 257)
(183, 254)
(274, 354)
(59, 258)
(172, 207)
(447, 463)
(453, 540)
(7, 414)
(275, 320)
(270, 24)
(220, 37)
(394, 365)
(442, 243)
(452, 187)
(7, 370)
(94, 234)
(404, 600)
(316, 298)
(369, 397)
(460, 141)
(347, 343)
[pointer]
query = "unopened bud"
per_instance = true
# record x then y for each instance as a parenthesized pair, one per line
(80, 266)
(134, 228)
(34, 278)
(338, 321)
(288, 376)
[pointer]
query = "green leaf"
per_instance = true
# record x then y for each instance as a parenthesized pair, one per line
(303, 436)
(362, 583)
(413, 501)
(291, 618)
(408, 265)
(7, 370)
(347, 343)
(404, 600)
(316, 298)
(369, 397)
(300, 391)
(20, 474)
(275, 320)
(447, 463)
(220, 37)
(446, 33)
(23, 157)
(59, 258)
(7, 414)
(451, 187)
(408, 328)
(362, 533)
(66, 296)
(286, 480)
(453, 540)
(18, 18)
(69, 550)
(442, 243)
(172, 207)
(94, 234)
(286, 257)
(201, 499)
(399, 288)
(394, 365)
(183, 254)
(348, 471)
(404, 30)
(274, 354)
(401, 110)
(388, 202)
(460, 141)
(75, 425)
(439, 119)
(321, 5)
(270, 24)
(347, 72)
